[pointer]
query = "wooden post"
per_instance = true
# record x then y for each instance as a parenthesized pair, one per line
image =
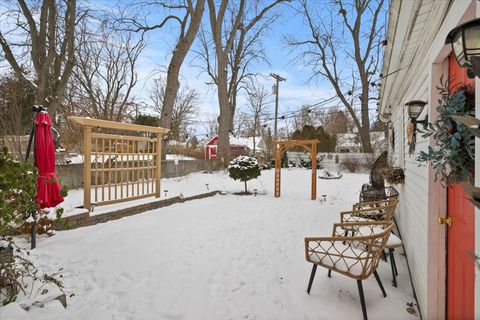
(313, 152)
(87, 167)
(158, 169)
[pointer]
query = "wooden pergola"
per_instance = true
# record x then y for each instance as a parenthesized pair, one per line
(119, 167)
(281, 147)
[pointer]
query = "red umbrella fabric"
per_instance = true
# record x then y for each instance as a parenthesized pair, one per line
(48, 189)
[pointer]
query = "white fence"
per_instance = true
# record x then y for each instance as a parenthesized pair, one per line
(333, 161)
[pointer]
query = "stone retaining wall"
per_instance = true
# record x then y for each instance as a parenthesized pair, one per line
(85, 219)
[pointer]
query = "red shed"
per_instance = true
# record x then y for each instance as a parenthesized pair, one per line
(211, 148)
(235, 150)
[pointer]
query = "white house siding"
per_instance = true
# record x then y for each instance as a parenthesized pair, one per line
(416, 36)
(411, 216)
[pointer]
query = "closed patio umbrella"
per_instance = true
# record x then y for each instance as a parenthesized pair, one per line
(48, 189)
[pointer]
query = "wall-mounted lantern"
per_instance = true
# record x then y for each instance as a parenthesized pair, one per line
(415, 108)
(465, 40)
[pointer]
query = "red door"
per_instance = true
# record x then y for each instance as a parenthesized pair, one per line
(460, 235)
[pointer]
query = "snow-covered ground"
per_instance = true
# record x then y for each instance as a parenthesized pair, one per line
(225, 257)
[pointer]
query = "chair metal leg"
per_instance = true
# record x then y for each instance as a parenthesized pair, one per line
(362, 299)
(346, 235)
(329, 273)
(312, 275)
(384, 256)
(392, 263)
(380, 283)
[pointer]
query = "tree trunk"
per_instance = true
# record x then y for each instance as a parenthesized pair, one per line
(171, 90)
(255, 125)
(225, 119)
(364, 134)
(246, 187)
(223, 133)
(179, 53)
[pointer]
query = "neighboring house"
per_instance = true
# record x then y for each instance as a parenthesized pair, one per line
(235, 149)
(350, 142)
(441, 258)
(248, 142)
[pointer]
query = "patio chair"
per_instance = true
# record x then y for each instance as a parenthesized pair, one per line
(373, 210)
(371, 193)
(353, 256)
(375, 213)
(376, 204)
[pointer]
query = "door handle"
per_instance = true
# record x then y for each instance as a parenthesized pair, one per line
(448, 221)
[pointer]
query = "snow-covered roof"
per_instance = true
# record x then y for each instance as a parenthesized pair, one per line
(243, 141)
(347, 140)
(247, 141)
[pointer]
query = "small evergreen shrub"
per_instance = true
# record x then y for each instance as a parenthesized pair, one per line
(244, 168)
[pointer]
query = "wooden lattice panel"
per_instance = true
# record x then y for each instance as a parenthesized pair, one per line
(119, 168)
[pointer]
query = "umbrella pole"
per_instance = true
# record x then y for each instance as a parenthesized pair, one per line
(33, 229)
(30, 140)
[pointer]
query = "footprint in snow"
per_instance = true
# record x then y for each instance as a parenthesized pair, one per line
(346, 293)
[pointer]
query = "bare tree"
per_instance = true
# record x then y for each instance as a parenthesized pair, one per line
(241, 123)
(257, 103)
(16, 99)
(188, 16)
(105, 73)
(330, 54)
(47, 30)
(211, 126)
(336, 121)
(184, 108)
(235, 33)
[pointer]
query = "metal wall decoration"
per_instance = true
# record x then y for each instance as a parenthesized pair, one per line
(391, 137)
(411, 137)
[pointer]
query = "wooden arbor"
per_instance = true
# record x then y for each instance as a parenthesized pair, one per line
(281, 147)
(119, 167)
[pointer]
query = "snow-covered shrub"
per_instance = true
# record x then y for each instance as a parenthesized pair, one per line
(329, 174)
(350, 164)
(18, 275)
(18, 186)
(244, 168)
(20, 279)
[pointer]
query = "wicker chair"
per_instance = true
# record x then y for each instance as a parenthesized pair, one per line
(374, 211)
(375, 204)
(371, 193)
(356, 256)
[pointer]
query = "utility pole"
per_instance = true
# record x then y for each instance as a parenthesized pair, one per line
(277, 79)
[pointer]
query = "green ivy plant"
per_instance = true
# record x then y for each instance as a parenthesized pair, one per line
(18, 275)
(18, 186)
(454, 154)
